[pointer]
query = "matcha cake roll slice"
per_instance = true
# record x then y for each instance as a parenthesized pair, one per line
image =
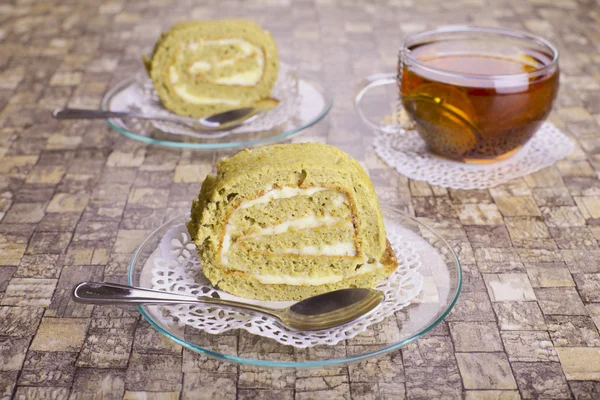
(200, 68)
(286, 222)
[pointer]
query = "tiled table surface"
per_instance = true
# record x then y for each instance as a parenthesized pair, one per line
(76, 198)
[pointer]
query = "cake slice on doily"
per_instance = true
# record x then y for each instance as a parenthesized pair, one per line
(201, 68)
(286, 222)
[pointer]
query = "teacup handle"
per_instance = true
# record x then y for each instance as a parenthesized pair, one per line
(369, 83)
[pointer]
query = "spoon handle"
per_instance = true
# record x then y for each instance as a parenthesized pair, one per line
(79, 113)
(114, 293)
(214, 125)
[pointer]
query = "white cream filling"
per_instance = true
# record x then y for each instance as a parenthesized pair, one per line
(297, 280)
(182, 92)
(173, 76)
(247, 78)
(199, 66)
(339, 200)
(268, 279)
(337, 249)
(283, 193)
(229, 229)
(309, 222)
(366, 268)
(246, 47)
(225, 63)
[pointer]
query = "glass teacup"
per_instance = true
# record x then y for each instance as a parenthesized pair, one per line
(474, 94)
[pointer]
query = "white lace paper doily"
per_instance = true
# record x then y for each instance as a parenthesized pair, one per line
(142, 97)
(176, 269)
(408, 154)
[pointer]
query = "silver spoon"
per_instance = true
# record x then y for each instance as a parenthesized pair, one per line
(323, 311)
(213, 123)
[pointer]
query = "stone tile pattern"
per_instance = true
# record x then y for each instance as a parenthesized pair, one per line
(76, 198)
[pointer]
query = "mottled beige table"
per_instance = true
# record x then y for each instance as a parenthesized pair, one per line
(76, 198)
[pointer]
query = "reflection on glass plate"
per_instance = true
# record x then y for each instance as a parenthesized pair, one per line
(302, 103)
(441, 282)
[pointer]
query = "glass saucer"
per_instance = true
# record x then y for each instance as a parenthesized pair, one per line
(442, 275)
(313, 103)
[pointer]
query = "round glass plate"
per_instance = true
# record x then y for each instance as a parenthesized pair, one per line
(442, 275)
(315, 101)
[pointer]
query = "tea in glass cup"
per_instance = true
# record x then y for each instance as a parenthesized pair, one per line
(477, 94)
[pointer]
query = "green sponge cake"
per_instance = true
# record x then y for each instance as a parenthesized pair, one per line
(200, 68)
(286, 222)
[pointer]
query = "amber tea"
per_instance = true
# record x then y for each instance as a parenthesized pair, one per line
(477, 101)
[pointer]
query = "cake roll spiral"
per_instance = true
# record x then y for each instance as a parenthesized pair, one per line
(286, 222)
(200, 68)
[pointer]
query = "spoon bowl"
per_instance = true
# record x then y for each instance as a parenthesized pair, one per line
(331, 309)
(315, 313)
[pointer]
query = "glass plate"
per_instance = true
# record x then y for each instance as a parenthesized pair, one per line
(442, 282)
(315, 103)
